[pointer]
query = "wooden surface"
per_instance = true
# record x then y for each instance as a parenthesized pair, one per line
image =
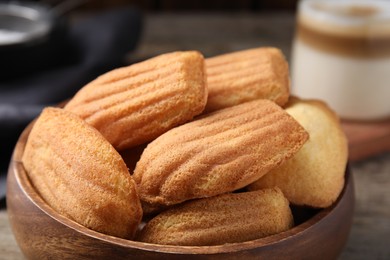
(218, 33)
(367, 138)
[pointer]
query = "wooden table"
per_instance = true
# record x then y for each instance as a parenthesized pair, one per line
(220, 32)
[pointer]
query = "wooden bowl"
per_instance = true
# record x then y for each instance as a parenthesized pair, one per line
(43, 233)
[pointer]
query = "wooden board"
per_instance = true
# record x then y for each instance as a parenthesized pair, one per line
(367, 139)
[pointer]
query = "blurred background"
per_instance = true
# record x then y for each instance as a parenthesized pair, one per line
(173, 24)
(170, 25)
(201, 5)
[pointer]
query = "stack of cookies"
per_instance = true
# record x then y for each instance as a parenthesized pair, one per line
(183, 150)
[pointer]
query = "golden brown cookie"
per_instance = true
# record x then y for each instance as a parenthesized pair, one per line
(80, 175)
(315, 175)
(150, 210)
(135, 104)
(237, 77)
(218, 153)
(228, 218)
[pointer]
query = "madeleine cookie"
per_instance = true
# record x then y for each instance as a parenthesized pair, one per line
(152, 209)
(218, 153)
(238, 77)
(135, 104)
(315, 175)
(80, 175)
(227, 218)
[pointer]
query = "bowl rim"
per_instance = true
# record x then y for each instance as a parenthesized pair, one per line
(29, 191)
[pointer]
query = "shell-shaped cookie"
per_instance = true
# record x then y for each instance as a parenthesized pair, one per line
(135, 104)
(315, 175)
(218, 153)
(227, 218)
(80, 175)
(238, 77)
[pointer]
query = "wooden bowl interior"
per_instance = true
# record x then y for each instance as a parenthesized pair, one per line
(323, 232)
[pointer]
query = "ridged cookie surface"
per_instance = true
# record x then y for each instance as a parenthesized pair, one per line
(135, 104)
(315, 175)
(80, 175)
(228, 218)
(218, 153)
(237, 77)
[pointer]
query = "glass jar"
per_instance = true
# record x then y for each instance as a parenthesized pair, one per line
(341, 54)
